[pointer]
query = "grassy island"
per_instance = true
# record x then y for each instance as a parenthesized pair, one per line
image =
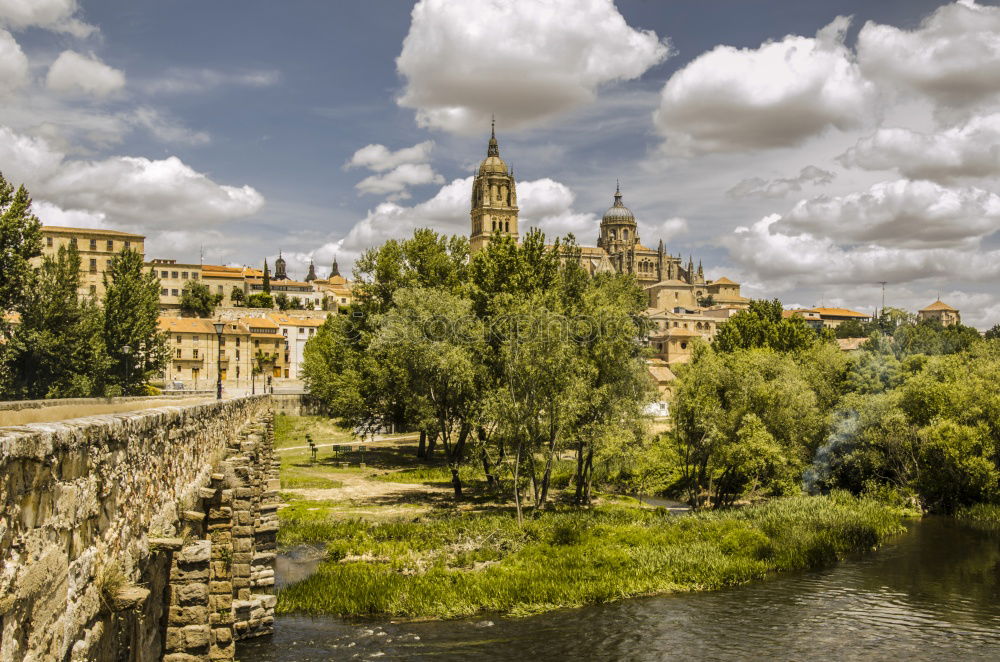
(397, 544)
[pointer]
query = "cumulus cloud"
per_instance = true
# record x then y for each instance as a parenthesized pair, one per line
(901, 213)
(953, 57)
(525, 60)
(397, 170)
(665, 230)
(968, 150)
(778, 95)
(55, 15)
(13, 64)
(380, 158)
(82, 75)
(757, 187)
(397, 180)
(787, 258)
(133, 191)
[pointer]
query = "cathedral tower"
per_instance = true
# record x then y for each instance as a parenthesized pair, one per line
(494, 199)
(618, 227)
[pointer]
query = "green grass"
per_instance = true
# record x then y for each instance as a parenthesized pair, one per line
(291, 431)
(458, 565)
(982, 515)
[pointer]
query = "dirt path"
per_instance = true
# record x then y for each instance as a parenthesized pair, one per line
(376, 440)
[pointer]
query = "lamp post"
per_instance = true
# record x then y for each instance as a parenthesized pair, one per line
(219, 326)
(126, 350)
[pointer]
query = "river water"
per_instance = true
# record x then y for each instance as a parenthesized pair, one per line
(931, 594)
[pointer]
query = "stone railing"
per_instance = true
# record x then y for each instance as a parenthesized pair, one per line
(140, 536)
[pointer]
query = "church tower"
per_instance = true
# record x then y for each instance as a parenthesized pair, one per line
(619, 232)
(494, 199)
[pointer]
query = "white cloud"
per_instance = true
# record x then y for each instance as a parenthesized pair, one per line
(195, 81)
(76, 74)
(50, 214)
(55, 15)
(525, 60)
(953, 57)
(901, 213)
(397, 180)
(665, 230)
(380, 158)
(13, 64)
(789, 259)
(778, 95)
(757, 187)
(165, 129)
(968, 150)
(133, 191)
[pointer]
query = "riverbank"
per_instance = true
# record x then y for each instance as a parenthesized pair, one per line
(450, 565)
(398, 545)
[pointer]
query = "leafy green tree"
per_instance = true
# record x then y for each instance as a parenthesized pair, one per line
(131, 312)
(889, 319)
(260, 300)
(295, 303)
(281, 299)
(851, 329)
(993, 333)
(237, 296)
(762, 325)
(930, 337)
(57, 350)
(197, 300)
(20, 240)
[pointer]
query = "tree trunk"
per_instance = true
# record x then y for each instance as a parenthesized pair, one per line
(548, 466)
(422, 447)
(455, 452)
(517, 486)
(534, 479)
(590, 472)
(431, 443)
(578, 498)
(491, 480)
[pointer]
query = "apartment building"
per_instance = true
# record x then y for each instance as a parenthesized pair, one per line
(267, 340)
(196, 353)
(173, 277)
(96, 247)
(296, 331)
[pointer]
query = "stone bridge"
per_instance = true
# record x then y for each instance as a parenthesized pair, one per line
(146, 535)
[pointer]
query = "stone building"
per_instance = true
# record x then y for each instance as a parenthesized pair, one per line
(96, 248)
(195, 353)
(266, 338)
(670, 283)
(941, 312)
(173, 277)
(673, 334)
(297, 331)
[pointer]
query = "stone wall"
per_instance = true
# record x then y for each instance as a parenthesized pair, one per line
(139, 536)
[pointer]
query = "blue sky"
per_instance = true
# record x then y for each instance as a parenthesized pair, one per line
(806, 155)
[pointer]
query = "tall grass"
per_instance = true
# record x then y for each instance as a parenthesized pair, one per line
(982, 515)
(456, 566)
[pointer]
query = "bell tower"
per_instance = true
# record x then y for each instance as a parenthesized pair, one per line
(494, 199)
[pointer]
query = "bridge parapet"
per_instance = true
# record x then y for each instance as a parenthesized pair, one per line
(140, 536)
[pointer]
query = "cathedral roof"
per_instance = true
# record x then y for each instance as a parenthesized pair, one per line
(493, 164)
(618, 212)
(938, 305)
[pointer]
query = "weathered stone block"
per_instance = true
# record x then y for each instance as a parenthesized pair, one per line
(197, 552)
(192, 594)
(221, 587)
(196, 636)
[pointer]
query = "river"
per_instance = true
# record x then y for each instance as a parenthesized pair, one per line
(933, 593)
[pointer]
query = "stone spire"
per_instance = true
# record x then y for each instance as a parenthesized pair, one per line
(311, 276)
(334, 270)
(690, 269)
(701, 272)
(494, 147)
(279, 268)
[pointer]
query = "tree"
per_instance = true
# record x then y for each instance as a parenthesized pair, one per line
(198, 300)
(260, 300)
(131, 310)
(281, 299)
(237, 296)
(267, 279)
(851, 329)
(57, 350)
(763, 325)
(20, 240)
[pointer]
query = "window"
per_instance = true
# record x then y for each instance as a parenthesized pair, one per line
(173, 293)
(48, 242)
(173, 274)
(111, 245)
(222, 341)
(196, 353)
(178, 338)
(72, 242)
(128, 245)
(196, 338)
(194, 276)
(256, 343)
(312, 332)
(284, 332)
(237, 342)
(184, 275)
(93, 266)
(93, 244)
(220, 289)
(237, 358)
(163, 292)
(301, 330)
(178, 352)
(93, 290)
(163, 274)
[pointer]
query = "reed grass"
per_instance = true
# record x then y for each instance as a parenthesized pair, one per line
(457, 565)
(981, 515)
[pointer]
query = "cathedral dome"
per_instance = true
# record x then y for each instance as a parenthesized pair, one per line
(493, 164)
(618, 212)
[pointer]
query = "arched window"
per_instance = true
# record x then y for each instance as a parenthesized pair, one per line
(625, 234)
(507, 226)
(614, 235)
(494, 226)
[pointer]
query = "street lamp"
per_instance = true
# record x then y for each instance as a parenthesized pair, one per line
(219, 326)
(126, 350)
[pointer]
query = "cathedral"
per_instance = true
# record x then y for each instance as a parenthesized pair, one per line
(668, 281)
